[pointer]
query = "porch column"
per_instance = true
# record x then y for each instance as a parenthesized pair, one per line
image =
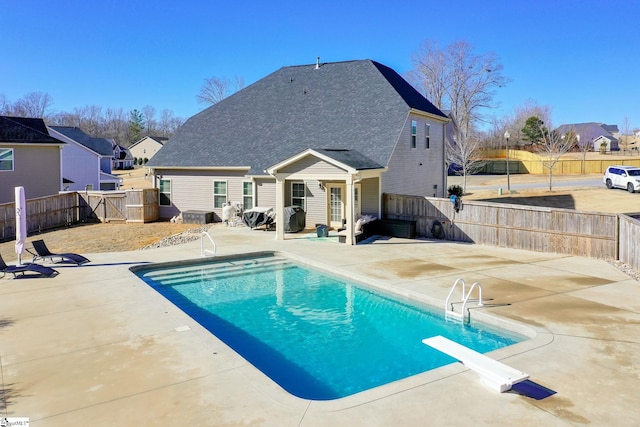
(350, 212)
(279, 207)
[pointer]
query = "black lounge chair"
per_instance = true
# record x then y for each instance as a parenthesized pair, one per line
(21, 270)
(42, 252)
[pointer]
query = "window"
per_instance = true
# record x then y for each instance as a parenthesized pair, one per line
(6, 159)
(427, 135)
(414, 133)
(247, 195)
(165, 192)
(297, 194)
(219, 193)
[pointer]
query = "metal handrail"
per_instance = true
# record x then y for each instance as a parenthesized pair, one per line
(465, 299)
(206, 252)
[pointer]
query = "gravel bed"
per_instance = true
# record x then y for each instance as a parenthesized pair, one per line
(178, 239)
(628, 270)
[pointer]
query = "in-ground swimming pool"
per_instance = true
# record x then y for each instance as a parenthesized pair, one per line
(318, 336)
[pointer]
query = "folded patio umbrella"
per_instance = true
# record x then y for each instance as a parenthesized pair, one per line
(21, 222)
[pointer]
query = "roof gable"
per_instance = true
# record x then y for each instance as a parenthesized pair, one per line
(101, 146)
(25, 130)
(353, 105)
(347, 160)
(588, 131)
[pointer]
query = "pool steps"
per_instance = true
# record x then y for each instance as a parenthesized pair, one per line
(493, 373)
(215, 271)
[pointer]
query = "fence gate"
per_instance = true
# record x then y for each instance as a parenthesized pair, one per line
(107, 206)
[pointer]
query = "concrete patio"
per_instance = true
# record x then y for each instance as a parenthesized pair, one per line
(96, 346)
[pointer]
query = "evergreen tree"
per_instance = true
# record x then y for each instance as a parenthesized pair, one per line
(533, 130)
(136, 126)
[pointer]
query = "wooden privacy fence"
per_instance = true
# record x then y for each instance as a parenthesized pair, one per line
(629, 252)
(526, 162)
(136, 205)
(42, 213)
(564, 231)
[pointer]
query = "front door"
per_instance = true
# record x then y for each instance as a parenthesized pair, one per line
(336, 204)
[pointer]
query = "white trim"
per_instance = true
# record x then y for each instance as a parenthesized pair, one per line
(429, 115)
(304, 197)
(226, 193)
(274, 169)
(13, 160)
(160, 193)
(253, 193)
(208, 168)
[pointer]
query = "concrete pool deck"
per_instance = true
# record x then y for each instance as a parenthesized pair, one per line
(96, 346)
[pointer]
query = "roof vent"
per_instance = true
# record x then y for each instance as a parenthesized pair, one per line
(317, 62)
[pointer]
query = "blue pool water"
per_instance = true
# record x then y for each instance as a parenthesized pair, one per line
(318, 336)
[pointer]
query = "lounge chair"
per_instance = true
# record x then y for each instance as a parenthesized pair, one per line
(21, 270)
(43, 253)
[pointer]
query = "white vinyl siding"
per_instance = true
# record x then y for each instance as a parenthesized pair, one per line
(219, 194)
(425, 167)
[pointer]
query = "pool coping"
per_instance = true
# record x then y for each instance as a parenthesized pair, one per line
(537, 336)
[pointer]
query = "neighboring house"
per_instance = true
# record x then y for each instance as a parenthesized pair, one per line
(122, 158)
(86, 161)
(609, 143)
(147, 147)
(590, 132)
(29, 157)
(612, 129)
(328, 137)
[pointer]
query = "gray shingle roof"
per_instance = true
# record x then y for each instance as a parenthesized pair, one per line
(356, 105)
(587, 131)
(351, 158)
(101, 146)
(25, 130)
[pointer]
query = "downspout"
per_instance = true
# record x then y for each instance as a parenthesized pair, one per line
(444, 159)
(60, 169)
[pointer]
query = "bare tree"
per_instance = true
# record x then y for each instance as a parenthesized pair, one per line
(116, 125)
(169, 122)
(552, 147)
(33, 104)
(215, 89)
(4, 104)
(518, 120)
(91, 119)
(458, 80)
(149, 113)
(467, 156)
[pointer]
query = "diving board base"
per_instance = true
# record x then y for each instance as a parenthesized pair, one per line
(493, 373)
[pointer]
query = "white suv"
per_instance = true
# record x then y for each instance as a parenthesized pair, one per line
(627, 177)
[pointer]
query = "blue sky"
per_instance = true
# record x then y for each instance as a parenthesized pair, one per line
(582, 58)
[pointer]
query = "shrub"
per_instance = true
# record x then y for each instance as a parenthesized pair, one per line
(455, 190)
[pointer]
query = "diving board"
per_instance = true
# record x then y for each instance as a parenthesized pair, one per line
(495, 374)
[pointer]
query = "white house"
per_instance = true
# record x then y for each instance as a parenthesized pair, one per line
(86, 161)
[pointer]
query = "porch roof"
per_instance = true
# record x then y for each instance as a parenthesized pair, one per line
(349, 160)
